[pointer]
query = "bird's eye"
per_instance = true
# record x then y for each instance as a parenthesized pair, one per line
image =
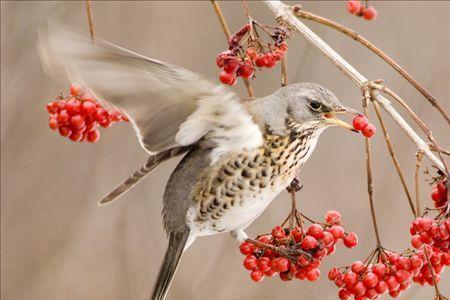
(315, 105)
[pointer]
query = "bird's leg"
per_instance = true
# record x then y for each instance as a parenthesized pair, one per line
(239, 235)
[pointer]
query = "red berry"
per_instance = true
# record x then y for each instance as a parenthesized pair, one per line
(350, 278)
(251, 52)
(351, 240)
(246, 248)
(227, 78)
(379, 269)
(75, 89)
(246, 70)
(353, 6)
(328, 238)
(93, 136)
(77, 122)
(264, 264)
(87, 107)
(53, 122)
(358, 267)
(337, 231)
(260, 61)
(309, 243)
(278, 232)
(392, 283)
(344, 294)
(280, 264)
(333, 273)
(369, 130)
(313, 274)
(231, 65)
(381, 287)
(51, 107)
(76, 136)
(370, 13)
(359, 289)
(257, 275)
(297, 234)
(360, 121)
(370, 280)
(333, 217)
(64, 131)
(402, 275)
(73, 106)
(63, 117)
(220, 59)
(315, 230)
(250, 262)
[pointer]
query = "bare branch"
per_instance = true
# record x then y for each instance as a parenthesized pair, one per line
(285, 13)
(90, 18)
(393, 156)
(419, 156)
(352, 34)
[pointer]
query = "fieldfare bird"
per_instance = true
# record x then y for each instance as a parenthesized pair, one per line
(239, 155)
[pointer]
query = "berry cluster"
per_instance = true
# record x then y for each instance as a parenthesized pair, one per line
(433, 232)
(240, 61)
(361, 123)
(391, 273)
(295, 253)
(79, 115)
(355, 7)
(440, 194)
(438, 260)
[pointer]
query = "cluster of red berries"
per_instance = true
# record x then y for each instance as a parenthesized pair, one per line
(79, 115)
(391, 273)
(361, 123)
(355, 7)
(433, 232)
(440, 194)
(234, 62)
(304, 250)
(438, 260)
(232, 66)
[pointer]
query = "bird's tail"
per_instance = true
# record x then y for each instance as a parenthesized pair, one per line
(177, 242)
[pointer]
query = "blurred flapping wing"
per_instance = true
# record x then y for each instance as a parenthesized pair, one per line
(168, 106)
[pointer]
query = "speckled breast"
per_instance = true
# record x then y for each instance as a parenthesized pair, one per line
(237, 188)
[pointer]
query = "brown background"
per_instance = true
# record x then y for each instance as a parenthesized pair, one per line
(56, 242)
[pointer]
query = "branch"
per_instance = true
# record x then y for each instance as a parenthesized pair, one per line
(419, 156)
(90, 18)
(285, 13)
(393, 156)
(352, 34)
(227, 33)
(366, 99)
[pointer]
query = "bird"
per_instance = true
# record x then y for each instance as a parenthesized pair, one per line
(237, 155)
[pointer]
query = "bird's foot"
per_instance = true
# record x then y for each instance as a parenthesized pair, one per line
(239, 235)
(294, 186)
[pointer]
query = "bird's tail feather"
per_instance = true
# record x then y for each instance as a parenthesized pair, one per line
(151, 163)
(177, 242)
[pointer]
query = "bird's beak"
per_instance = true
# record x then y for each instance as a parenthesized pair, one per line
(334, 121)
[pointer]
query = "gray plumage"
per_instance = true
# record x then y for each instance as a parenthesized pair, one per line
(241, 155)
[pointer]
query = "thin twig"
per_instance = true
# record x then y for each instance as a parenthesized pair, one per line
(416, 118)
(354, 35)
(227, 33)
(366, 99)
(442, 150)
(285, 13)
(419, 156)
(393, 156)
(284, 76)
(430, 267)
(90, 18)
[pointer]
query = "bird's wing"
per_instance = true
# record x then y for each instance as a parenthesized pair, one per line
(168, 106)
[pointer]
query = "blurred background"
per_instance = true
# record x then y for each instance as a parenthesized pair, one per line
(56, 243)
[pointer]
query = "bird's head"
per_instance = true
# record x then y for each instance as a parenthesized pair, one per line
(313, 105)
